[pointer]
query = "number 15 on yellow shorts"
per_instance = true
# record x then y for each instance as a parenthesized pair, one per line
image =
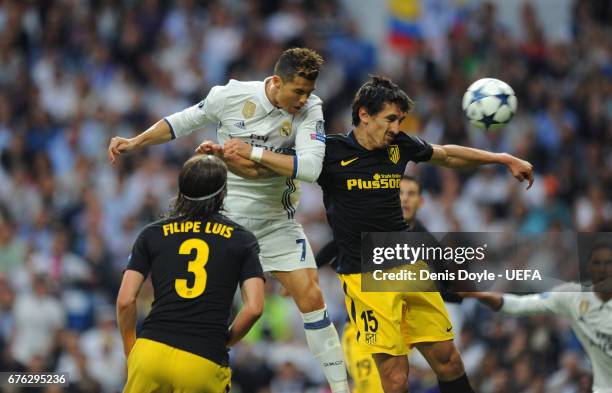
(392, 322)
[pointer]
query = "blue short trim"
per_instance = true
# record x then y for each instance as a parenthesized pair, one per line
(171, 129)
(295, 167)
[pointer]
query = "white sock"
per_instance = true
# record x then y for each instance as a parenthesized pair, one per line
(324, 343)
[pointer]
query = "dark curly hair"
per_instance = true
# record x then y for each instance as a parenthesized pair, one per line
(302, 62)
(201, 176)
(373, 95)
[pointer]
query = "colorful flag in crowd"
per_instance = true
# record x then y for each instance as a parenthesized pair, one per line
(404, 24)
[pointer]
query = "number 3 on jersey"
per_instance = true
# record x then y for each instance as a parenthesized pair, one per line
(195, 266)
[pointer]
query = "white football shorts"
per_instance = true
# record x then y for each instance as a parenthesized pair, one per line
(283, 244)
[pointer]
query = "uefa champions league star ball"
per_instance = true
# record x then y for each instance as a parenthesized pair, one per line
(489, 103)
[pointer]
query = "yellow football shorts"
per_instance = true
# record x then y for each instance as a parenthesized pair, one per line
(393, 322)
(157, 367)
(361, 366)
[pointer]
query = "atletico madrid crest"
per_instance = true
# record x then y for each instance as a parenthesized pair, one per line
(394, 153)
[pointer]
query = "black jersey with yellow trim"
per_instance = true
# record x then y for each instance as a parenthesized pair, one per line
(195, 268)
(361, 190)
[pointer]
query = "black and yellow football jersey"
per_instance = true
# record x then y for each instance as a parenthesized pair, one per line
(195, 269)
(361, 190)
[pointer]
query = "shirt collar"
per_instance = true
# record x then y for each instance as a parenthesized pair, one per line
(352, 138)
(263, 98)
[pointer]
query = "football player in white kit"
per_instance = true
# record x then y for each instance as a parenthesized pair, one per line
(589, 311)
(280, 123)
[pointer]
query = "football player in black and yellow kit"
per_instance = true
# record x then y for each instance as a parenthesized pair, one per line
(196, 258)
(361, 177)
(360, 364)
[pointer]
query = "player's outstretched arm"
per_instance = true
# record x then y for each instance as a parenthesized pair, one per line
(158, 133)
(126, 308)
(252, 291)
(535, 304)
(174, 126)
(454, 156)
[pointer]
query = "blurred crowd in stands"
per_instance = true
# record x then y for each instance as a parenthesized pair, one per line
(74, 73)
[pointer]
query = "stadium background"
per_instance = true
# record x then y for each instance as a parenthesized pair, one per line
(74, 73)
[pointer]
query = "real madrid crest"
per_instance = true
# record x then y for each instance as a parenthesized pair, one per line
(394, 153)
(584, 306)
(248, 110)
(285, 129)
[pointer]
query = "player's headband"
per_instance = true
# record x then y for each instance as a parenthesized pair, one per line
(205, 197)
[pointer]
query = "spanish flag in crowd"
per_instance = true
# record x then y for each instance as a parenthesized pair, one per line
(404, 24)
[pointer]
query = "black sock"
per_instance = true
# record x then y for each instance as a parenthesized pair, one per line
(459, 385)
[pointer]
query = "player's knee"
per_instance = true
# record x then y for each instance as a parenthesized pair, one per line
(450, 366)
(313, 301)
(393, 371)
(310, 298)
(395, 381)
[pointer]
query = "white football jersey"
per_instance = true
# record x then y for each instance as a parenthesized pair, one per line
(242, 110)
(591, 320)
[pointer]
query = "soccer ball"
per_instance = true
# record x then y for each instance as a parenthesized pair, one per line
(489, 103)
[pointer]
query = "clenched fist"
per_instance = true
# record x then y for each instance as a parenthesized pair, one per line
(117, 146)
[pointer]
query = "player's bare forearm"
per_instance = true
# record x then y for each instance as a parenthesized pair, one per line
(280, 164)
(454, 156)
(263, 172)
(156, 134)
(126, 319)
(252, 291)
(241, 325)
(247, 169)
(126, 307)
(236, 164)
